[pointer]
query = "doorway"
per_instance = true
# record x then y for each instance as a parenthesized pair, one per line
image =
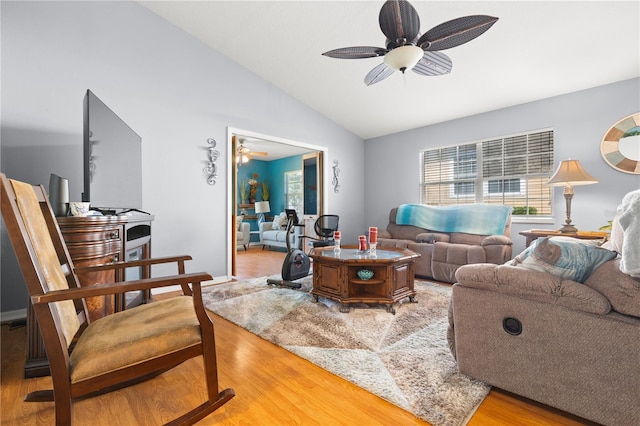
(262, 148)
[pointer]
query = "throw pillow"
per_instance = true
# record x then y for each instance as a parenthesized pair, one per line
(239, 222)
(567, 258)
(279, 222)
(282, 221)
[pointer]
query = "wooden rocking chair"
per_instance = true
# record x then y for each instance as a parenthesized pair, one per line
(91, 358)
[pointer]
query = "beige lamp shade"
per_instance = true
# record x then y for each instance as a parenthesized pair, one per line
(262, 207)
(571, 173)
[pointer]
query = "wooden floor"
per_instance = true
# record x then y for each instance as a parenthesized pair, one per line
(273, 387)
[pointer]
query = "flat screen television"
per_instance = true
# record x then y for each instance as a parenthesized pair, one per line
(112, 159)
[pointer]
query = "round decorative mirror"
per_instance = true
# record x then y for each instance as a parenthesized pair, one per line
(620, 146)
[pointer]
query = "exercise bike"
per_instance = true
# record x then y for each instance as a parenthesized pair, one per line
(296, 264)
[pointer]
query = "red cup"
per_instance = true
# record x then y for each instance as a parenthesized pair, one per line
(336, 235)
(362, 239)
(373, 234)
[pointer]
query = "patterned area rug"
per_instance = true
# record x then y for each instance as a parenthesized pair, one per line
(403, 358)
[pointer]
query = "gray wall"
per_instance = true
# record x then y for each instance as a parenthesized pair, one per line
(173, 91)
(579, 120)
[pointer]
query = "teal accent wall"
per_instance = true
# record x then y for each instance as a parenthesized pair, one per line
(278, 169)
(271, 172)
(246, 172)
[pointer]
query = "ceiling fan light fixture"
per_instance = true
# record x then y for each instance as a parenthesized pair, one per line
(403, 58)
(242, 159)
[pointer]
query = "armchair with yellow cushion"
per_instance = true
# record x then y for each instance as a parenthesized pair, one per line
(91, 357)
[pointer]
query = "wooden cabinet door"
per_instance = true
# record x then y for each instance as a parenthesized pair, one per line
(328, 279)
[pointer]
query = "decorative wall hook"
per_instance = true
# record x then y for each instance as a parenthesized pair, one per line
(211, 170)
(336, 173)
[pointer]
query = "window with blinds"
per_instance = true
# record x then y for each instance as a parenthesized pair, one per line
(509, 170)
(293, 191)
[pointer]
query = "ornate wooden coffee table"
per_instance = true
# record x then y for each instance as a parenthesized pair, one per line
(335, 276)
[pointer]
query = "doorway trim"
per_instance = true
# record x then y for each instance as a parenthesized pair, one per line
(231, 183)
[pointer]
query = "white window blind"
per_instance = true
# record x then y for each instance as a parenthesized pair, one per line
(293, 191)
(508, 170)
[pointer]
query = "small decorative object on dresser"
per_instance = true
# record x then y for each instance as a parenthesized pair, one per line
(79, 208)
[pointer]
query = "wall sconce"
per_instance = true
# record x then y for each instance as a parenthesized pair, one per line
(336, 173)
(568, 174)
(211, 170)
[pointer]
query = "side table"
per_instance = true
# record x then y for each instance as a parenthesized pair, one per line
(533, 234)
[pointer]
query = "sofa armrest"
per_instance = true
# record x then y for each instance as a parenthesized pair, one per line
(264, 226)
(383, 233)
(494, 240)
(245, 228)
(532, 285)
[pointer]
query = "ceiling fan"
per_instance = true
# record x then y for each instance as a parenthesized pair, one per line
(406, 49)
(244, 154)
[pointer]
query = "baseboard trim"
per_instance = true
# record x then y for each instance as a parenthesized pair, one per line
(13, 315)
(216, 280)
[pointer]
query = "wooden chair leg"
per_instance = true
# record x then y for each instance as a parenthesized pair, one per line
(64, 411)
(203, 410)
(40, 396)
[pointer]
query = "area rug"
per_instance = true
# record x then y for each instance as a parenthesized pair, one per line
(403, 358)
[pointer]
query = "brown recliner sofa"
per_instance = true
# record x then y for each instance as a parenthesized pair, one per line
(441, 253)
(572, 345)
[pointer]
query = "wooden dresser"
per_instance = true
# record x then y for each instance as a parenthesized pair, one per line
(96, 240)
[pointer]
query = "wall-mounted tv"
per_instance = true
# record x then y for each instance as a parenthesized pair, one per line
(112, 159)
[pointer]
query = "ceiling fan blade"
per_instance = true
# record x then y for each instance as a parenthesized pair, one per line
(455, 32)
(399, 21)
(433, 63)
(257, 154)
(378, 74)
(356, 52)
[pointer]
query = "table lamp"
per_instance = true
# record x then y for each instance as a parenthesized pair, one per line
(262, 207)
(569, 174)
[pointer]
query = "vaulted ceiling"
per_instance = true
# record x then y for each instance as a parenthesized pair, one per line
(536, 50)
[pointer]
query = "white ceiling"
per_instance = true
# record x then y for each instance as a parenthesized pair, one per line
(536, 50)
(274, 150)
